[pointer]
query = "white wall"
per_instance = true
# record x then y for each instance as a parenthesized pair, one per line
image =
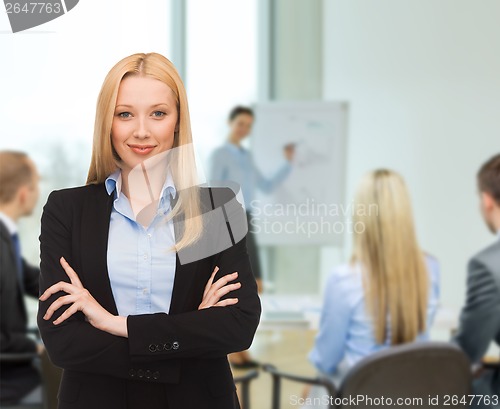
(423, 81)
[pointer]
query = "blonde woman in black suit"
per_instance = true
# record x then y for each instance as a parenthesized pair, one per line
(144, 292)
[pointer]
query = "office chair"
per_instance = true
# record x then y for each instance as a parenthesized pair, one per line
(245, 380)
(278, 376)
(22, 358)
(412, 371)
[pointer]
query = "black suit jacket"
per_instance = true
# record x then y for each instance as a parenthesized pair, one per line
(176, 360)
(17, 379)
(13, 314)
(480, 317)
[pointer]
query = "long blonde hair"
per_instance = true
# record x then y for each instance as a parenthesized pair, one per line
(103, 161)
(385, 244)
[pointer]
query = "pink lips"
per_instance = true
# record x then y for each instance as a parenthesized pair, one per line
(142, 149)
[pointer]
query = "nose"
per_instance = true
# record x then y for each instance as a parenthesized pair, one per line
(142, 131)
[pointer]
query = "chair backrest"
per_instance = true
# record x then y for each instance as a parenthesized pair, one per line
(420, 370)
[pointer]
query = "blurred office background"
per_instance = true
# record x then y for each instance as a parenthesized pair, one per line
(420, 79)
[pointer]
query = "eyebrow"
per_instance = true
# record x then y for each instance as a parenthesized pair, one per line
(152, 106)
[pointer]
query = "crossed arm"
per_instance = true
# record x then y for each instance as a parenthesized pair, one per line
(82, 335)
(80, 299)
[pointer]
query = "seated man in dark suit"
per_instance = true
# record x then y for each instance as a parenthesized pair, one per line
(18, 196)
(480, 317)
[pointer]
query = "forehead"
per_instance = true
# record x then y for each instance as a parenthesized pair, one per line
(243, 117)
(141, 90)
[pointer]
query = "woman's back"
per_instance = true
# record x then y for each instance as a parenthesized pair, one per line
(388, 294)
(347, 332)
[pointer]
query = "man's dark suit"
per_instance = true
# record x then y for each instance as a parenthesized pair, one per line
(480, 317)
(16, 380)
(176, 360)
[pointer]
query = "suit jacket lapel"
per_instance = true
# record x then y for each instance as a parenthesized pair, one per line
(184, 273)
(5, 237)
(95, 231)
(94, 247)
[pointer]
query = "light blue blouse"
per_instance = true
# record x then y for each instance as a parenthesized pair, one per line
(141, 266)
(346, 332)
(235, 163)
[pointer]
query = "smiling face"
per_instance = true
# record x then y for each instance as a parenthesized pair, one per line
(144, 120)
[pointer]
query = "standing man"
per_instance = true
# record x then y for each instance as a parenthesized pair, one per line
(480, 317)
(18, 196)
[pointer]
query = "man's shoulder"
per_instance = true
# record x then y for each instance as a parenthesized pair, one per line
(488, 259)
(220, 151)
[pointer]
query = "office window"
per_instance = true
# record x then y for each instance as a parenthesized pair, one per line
(50, 77)
(221, 66)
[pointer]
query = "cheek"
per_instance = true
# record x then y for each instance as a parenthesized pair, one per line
(118, 135)
(165, 132)
(118, 131)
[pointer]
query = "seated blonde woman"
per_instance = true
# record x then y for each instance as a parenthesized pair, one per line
(388, 294)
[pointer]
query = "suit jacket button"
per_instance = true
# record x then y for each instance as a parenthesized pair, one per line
(156, 375)
(148, 374)
(167, 346)
(152, 348)
(175, 345)
(140, 373)
(132, 373)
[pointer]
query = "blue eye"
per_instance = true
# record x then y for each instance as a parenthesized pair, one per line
(158, 114)
(124, 114)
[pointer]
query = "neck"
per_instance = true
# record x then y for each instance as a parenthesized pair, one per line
(11, 211)
(143, 185)
(495, 220)
(234, 140)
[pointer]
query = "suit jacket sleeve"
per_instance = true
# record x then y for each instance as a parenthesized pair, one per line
(479, 321)
(76, 345)
(16, 342)
(73, 344)
(31, 279)
(208, 333)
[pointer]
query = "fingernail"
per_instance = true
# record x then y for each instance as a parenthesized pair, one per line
(235, 274)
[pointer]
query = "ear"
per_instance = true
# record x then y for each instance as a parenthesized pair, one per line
(487, 199)
(22, 194)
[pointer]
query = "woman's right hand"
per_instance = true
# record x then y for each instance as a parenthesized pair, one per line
(214, 291)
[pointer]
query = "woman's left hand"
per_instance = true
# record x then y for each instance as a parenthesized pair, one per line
(81, 300)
